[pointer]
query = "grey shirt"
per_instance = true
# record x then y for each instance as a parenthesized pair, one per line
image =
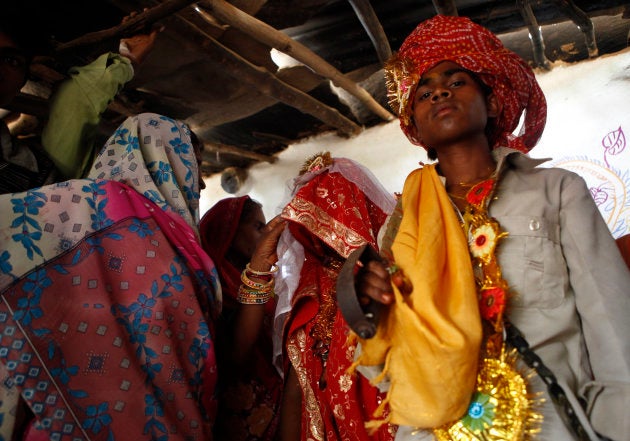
(571, 285)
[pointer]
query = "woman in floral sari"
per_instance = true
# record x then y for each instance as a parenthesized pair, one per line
(107, 298)
(336, 207)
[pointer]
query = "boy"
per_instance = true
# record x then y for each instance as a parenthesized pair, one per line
(535, 256)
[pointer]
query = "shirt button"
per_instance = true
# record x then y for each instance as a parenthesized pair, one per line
(534, 225)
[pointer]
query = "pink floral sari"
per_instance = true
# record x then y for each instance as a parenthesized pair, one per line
(108, 300)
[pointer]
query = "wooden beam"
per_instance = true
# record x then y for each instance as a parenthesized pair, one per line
(368, 18)
(250, 7)
(211, 147)
(269, 84)
(124, 109)
(29, 104)
(445, 7)
(583, 22)
(45, 73)
(282, 42)
(130, 27)
(535, 34)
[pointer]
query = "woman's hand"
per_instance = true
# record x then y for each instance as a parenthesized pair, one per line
(138, 46)
(265, 255)
(249, 319)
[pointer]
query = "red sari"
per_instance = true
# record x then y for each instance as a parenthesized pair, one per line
(329, 216)
(248, 401)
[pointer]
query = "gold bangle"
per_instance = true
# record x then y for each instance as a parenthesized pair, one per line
(273, 270)
(254, 292)
(252, 297)
(255, 301)
(253, 284)
(245, 295)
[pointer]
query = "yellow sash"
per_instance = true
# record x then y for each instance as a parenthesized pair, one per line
(429, 341)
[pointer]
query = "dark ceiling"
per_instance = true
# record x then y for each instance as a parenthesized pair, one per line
(211, 72)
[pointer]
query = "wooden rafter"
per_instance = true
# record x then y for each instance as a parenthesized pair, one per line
(132, 26)
(211, 147)
(282, 42)
(259, 78)
(29, 104)
(269, 84)
(364, 11)
(445, 7)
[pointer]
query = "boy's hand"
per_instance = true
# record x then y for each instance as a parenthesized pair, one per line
(374, 282)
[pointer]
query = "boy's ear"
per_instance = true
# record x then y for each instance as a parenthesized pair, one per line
(494, 106)
(414, 130)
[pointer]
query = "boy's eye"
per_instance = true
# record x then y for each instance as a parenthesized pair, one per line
(458, 83)
(421, 96)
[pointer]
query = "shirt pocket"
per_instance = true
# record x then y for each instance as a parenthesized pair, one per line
(532, 262)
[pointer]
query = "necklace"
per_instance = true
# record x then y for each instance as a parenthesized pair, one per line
(476, 186)
(489, 173)
(456, 196)
(502, 406)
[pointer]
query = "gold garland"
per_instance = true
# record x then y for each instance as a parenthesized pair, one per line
(502, 407)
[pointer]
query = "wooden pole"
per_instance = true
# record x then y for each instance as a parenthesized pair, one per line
(29, 104)
(130, 27)
(211, 147)
(445, 7)
(282, 42)
(535, 34)
(364, 11)
(267, 83)
(583, 22)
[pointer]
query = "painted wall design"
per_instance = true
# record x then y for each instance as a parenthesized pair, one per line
(608, 178)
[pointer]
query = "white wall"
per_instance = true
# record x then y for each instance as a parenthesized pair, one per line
(588, 113)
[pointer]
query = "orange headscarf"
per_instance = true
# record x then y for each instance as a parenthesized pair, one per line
(473, 47)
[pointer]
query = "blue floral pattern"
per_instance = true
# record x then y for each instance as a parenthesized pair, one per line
(95, 291)
(136, 319)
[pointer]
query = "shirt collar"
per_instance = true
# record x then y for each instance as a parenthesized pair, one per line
(516, 158)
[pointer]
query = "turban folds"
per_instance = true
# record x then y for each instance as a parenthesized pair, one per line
(475, 48)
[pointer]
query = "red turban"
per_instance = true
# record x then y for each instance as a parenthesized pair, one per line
(475, 48)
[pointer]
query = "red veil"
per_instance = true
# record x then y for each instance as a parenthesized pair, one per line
(330, 215)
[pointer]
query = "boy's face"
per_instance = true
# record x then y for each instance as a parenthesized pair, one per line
(449, 106)
(13, 69)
